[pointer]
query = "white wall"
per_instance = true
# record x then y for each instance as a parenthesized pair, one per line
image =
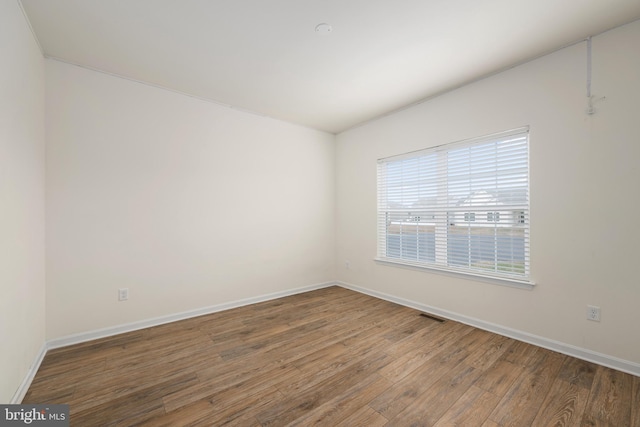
(187, 203)
(22, 275)
(584, 195)
(190, 204)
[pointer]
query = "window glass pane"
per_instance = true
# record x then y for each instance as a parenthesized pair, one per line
(462, 206)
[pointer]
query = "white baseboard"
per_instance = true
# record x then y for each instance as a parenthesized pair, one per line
(580, 353)
(26, 383)
(106, 332)
(570, 350)
(134, 326)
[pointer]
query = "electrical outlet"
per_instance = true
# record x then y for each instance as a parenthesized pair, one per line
(123, 294)
(593, 313)
(347, 265)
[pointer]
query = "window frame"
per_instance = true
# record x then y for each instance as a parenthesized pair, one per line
(515, 216)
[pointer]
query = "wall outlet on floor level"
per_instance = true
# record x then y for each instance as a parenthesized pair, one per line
(123, 294)
(593, 313)
(347, 265)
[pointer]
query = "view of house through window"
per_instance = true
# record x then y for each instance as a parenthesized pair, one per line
(461, 206)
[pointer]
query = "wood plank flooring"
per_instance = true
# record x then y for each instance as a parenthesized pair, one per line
(330, 357)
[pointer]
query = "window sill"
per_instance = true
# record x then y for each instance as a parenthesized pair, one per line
(503, 281)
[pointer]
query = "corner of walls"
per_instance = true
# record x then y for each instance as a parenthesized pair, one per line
(22, 218)
(185, 202)
(581, 167)
(22, 390)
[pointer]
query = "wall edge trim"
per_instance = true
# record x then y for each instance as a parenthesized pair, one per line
(608, 361)
(568, 349)
(161, 320)
(134, 326)
(31, 373)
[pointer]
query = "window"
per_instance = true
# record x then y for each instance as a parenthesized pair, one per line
(461, 207)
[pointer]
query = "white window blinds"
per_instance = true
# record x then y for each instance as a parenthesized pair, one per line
(462, 207)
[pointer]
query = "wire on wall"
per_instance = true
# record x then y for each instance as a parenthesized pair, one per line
(590, 98)
(589, 67)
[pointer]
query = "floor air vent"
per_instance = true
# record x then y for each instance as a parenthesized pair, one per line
(428, 316)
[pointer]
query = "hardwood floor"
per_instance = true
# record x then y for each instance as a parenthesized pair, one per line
(330, 357)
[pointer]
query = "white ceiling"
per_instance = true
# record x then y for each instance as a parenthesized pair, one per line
(264, 56)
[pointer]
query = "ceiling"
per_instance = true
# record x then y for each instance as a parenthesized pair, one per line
(264, 56)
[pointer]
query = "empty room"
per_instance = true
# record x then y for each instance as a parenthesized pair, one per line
(319, 212)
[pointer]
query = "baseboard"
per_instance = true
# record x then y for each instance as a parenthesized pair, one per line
(26, 382)
(134, 326)
(107, 332)
(570, 350)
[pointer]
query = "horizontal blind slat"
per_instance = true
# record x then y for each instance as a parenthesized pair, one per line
(462, 206)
